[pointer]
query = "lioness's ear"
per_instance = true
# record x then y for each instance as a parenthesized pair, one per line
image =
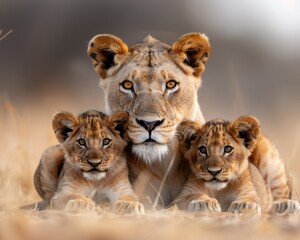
(187, 132)
(193, 50)
(118, 123)
(247, 129)
(63, 124)
(105, 52)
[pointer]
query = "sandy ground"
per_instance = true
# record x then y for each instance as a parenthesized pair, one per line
(155, 225)
(24, 136)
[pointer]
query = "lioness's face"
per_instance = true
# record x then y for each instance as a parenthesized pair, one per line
(156, 84)
(91, 144)
(218, 152)
(156, 100)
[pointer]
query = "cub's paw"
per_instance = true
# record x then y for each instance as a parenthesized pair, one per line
(208, 205)
(244, 207)
(285, 206)
(128, 207)
(75, 205)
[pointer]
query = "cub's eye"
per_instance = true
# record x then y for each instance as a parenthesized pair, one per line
(203, 150)
(228, 149)
(171, 84)
(81, 142)
(127, 85)
(106, 142)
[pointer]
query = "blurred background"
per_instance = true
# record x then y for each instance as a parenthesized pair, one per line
(254, 69)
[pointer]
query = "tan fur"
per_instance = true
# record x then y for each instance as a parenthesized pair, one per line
(47, 173)
(221, 180)
(149, 65)
(267, 159)
(82, 185)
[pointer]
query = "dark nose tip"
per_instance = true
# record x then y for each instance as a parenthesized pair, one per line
(150, 126)
(214, 172)
(94, 162)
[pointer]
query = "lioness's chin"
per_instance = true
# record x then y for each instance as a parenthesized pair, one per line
(150, 152)
(215, 185)
(94, 175)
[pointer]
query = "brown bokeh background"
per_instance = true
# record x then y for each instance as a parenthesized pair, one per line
(254, 69)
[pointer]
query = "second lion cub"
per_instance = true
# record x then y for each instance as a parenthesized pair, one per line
(221, 178)
(93, 163)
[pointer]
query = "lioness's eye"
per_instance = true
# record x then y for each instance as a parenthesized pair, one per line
(127, 85)
(203, 150)
(81, 142)
(106, 142)
(171, 84)
(228, 149)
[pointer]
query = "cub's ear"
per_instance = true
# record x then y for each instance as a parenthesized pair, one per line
(105, 52)
(63, 124)
(193, 50)
(118, 123)
(187, 132)
(247, 129)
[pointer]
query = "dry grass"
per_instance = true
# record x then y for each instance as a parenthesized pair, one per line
(2, 36)
(24, 136)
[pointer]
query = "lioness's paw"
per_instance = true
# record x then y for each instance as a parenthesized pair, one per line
(129, 207)
(244, 207)
(285, 206)
(209, 205)
(80, 205)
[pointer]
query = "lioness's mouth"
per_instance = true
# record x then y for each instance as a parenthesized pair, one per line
(97, 170)
(150, 140)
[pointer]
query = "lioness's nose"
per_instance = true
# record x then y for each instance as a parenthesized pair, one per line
(214, 171)
(94, 162)
(150, 126)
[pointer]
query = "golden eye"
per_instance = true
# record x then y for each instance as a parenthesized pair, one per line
(203, 150)
(171, 84)
(106, 141)
(127, 85)
(81, 142)
(228, 149)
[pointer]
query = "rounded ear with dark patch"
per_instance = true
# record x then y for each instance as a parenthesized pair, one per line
(187, 132)
(63, 124)
(247, 129)
(118, 123)
(105, 52)
(193, 50)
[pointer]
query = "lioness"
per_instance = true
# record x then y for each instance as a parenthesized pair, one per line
(157, 85)
(221, 176)
(94, 167)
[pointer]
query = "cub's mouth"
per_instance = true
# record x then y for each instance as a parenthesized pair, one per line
(96, 170)
(215, 183)
(215, 180)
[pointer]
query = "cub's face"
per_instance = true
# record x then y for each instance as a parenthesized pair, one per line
(218, 151)
(92, 142)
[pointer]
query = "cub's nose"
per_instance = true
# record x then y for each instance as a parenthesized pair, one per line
(150, 126)
(94, 162)
(214, 171)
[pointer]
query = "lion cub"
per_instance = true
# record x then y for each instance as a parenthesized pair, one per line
(221, 178)
(93, 163)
